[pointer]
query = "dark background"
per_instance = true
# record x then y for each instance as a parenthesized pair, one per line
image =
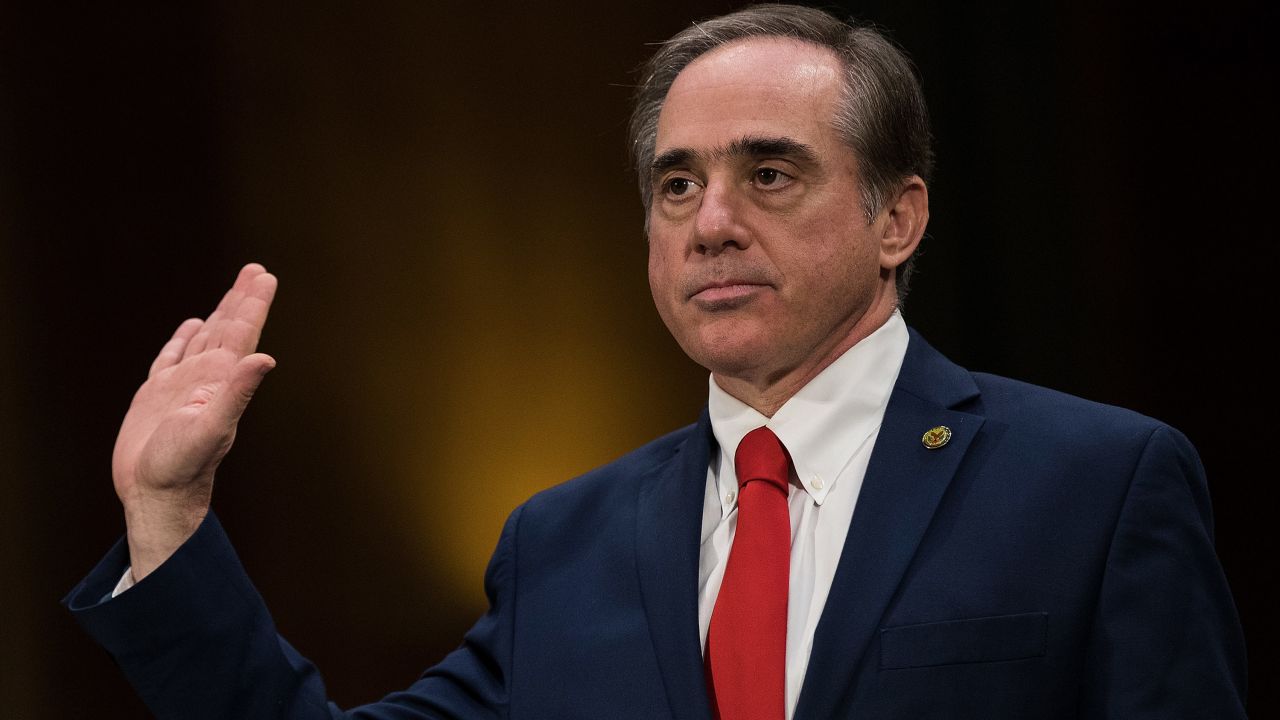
(464, 317)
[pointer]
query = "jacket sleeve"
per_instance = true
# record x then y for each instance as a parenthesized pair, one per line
(1166, 640)
(196, 641)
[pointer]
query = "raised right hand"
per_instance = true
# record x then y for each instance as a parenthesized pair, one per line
(183, 419)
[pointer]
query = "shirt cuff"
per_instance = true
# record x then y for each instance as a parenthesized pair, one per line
(126, 582)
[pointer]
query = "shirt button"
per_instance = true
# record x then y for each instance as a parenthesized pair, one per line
(816, 481)
(729, 496)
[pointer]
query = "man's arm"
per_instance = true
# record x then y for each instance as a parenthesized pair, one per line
(194, 636)
(197, 642)
(1166, 639)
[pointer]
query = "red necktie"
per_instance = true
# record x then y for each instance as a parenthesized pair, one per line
(747, 641)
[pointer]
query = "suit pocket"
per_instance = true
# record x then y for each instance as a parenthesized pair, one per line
(974, 640)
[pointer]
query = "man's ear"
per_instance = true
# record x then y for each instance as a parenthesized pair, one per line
(906, 218)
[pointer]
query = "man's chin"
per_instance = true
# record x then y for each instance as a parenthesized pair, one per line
(736, 358)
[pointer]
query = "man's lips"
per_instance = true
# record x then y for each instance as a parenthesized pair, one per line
(727, 293)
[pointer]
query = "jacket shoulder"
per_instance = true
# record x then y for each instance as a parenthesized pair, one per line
(1053, 419)
(1043, 414)
(1006, 396)
(594, 490)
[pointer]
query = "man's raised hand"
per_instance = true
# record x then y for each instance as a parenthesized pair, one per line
(183, 419)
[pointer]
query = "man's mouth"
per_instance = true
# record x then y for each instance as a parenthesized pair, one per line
(726, 294)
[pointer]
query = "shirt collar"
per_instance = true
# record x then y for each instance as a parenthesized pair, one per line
(823, 424)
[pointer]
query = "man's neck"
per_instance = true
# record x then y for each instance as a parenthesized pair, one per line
(767, 392)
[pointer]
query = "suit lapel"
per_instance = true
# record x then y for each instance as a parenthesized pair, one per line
(904, 483)
(669, 529)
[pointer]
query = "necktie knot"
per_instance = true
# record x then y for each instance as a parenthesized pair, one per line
(761, 456)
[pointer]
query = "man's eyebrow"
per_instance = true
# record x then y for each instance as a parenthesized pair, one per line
(751, 146)
(674, 157)
(756, 146)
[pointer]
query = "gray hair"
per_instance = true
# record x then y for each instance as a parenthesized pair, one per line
(882, 114)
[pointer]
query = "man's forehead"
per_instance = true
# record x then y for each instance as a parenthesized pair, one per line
(762, 61)
(770, 87)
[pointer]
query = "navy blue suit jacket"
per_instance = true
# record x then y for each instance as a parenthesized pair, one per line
(1054, 560)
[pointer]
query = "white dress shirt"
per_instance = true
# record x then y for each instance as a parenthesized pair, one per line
(829, 428)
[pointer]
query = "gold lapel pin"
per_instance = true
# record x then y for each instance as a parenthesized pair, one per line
(937, 437)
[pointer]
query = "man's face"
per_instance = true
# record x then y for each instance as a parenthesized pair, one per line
(761, 260)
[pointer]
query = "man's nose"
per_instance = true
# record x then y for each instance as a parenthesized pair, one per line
(718, 224)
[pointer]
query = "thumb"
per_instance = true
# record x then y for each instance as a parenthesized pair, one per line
(247, 374)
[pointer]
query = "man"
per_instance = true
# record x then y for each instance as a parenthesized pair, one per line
(855, 528)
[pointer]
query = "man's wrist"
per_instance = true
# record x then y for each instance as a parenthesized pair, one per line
(155, 530)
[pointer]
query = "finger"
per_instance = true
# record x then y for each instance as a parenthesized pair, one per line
(213, 325)
(207, 336)
(227, 308)
(243, 328)
(171, 353)
(229, 403)
(201, 339)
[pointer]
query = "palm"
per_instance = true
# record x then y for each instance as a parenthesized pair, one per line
(183, 419)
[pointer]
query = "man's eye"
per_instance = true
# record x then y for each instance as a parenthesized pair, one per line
(769, 176)
(679, 186)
